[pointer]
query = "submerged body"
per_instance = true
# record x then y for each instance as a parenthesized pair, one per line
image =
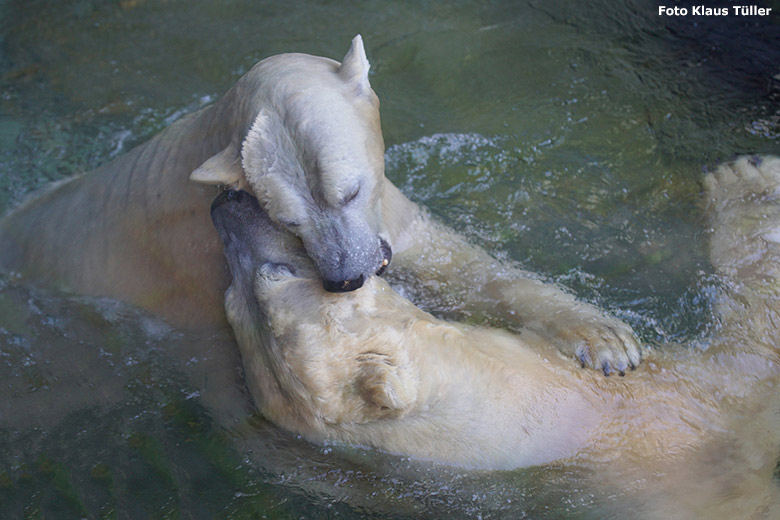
(369, 368)
(131, 229)
(303, 133)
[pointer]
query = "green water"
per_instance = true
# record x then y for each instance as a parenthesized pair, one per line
(568, 136)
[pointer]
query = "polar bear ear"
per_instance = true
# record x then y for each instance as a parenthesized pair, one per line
(258, 140)
(354, 67)
(222, 168)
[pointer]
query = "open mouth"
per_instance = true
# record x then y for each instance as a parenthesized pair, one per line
(387, 255)
(343, 286)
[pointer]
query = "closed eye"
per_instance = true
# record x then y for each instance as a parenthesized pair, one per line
(349, 198)
(289, 223)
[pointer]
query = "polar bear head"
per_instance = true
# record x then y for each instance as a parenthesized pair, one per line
(310, 358)
(314, 157)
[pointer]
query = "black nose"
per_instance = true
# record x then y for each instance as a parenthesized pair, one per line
(344, 285)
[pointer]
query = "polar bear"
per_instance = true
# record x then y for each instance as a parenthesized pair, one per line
(303, 134)
(369, 368)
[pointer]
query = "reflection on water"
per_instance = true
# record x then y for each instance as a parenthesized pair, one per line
(567, 136)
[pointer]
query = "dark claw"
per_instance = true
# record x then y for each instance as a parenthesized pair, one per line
(583, 357)
(607, 368)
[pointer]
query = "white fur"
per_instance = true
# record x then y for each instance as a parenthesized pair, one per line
(354, 67)
(369, 368)
(303, 132)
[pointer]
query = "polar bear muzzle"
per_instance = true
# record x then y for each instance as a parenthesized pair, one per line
(342, 263)
(251, 236)
(252, 239)
(339, 286)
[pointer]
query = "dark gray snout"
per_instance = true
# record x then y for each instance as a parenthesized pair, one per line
(241, 222)
(345, 255)
(337, 284)
(252, 239)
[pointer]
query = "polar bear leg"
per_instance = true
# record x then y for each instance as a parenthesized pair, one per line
(744, 212)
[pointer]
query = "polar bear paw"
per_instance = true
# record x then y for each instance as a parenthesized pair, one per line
(597, 341)
(387, 388)
(743, 199)
(745, 177)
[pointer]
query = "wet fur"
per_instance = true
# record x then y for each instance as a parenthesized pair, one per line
(303, 133)
(369, 368)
